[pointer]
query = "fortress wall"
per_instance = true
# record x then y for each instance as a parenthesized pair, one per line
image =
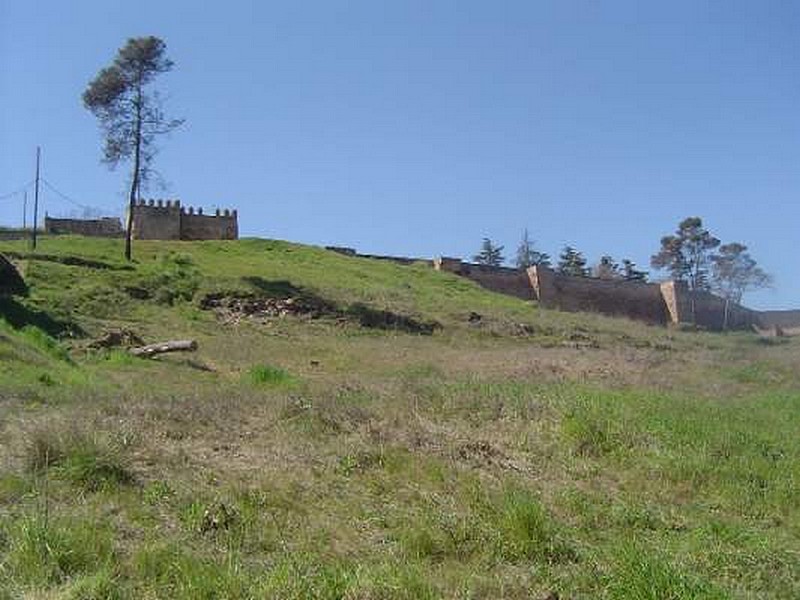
(104, 227)
(513, 282)
(709, 312)
(157, 221)
(209, 227)
(400, 260)
(167, 220)
(504, 280)
(635, 300)
(706, 310)
(785, 319)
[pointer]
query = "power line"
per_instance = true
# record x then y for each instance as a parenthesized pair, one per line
(16, 192)
(63, 196)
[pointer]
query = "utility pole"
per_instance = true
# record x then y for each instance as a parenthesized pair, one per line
(24, 210)
(36, 198)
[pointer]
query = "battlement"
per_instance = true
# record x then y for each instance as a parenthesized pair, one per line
(159, 219)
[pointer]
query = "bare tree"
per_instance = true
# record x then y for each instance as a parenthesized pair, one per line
(528, 255)
(130, 114)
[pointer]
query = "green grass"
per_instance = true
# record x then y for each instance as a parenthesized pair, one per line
(269, 375)
(295, 457)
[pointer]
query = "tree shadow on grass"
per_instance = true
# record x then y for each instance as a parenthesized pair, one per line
(18, 316)
(279, 288)
(69, 260)
(374, 318)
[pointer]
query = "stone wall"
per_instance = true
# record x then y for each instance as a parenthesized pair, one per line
(400, 260)
(219, 226)
(168, 220)
(655, 303)
(785, 319)
(504, 280)
(103, 227)
(157, 220)
(635, 300)
(706, 310)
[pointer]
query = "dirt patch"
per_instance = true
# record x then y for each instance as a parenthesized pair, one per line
(232, 309)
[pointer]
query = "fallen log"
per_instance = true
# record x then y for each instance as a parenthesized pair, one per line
(162, 347)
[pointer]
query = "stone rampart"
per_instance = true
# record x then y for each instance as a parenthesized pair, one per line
(635, 300)
(219, 226)
(785, 319)
(655, 303)
(400, 260)
(103, 227)
(168, 220)
(504, 280)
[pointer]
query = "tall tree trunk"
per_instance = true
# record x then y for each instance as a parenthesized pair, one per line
(135, 175)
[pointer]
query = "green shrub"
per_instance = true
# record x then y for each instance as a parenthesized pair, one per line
(269, 375)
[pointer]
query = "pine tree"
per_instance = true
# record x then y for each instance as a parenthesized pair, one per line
(490, 255)
(130, 115)
(734, 272)
(686, 255)
(571, 262)
(631, 273)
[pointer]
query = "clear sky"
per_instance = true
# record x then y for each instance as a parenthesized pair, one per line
(418, 127)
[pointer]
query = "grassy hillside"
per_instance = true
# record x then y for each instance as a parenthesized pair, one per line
(350, 428)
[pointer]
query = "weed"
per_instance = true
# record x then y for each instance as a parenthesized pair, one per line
(269, 375)
(42, 552)
(639, 574)
(86, 460)
(174, 572)
(101, 585)
(157, 492)
(527, 532)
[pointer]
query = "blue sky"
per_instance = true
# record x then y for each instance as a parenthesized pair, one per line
(419, 127)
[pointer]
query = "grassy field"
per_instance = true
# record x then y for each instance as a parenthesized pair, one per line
(339, 454)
